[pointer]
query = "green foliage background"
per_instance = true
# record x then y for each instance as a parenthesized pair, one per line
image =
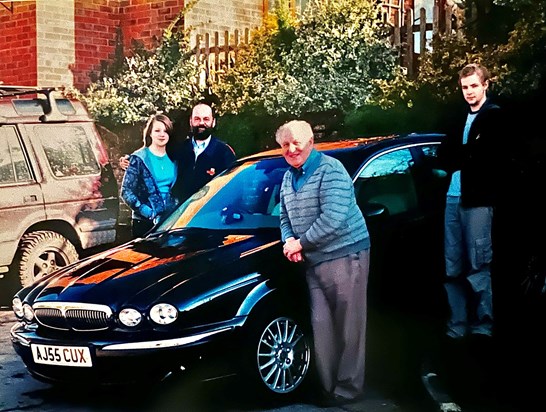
(333, 66)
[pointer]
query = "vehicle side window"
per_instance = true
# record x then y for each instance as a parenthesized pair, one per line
(13, 166)
(430, 159)
(387, 180)
(68, 151)
(432, 181)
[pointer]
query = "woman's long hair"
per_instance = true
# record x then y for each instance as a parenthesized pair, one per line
(147, 133)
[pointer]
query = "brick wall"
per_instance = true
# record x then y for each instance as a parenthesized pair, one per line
(100, 23)
(209, 16)
(61, 42)
(64, 41)
(145, 20)
(55, 42)
(95, 25)
(18, 44)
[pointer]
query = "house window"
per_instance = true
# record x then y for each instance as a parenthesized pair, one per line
(393, 12)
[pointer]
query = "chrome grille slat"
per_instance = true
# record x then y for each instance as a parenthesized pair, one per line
(81, 319)
(73, 316)
(52, 318)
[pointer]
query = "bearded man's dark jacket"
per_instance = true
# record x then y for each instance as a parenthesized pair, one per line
(194, 174)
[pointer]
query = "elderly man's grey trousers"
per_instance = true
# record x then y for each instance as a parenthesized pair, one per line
(338, 292)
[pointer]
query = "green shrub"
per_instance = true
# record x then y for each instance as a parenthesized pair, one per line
(337, 57)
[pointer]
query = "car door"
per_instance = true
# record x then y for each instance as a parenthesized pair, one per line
(78, 185)
(391, 192)
(431, 183)
(21, 200)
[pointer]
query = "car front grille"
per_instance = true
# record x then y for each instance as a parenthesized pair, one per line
(81, 317)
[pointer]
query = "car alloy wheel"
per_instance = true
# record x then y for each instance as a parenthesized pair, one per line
(283, 355)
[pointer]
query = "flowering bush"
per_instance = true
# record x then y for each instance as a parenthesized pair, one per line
(337, 56)
(164, 80)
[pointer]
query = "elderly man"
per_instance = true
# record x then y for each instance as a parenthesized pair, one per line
(322, 225)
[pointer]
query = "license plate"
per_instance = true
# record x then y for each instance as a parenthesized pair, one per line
(78, 356)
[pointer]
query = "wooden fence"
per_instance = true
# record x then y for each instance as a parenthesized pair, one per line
(443, 22)
(216, 55)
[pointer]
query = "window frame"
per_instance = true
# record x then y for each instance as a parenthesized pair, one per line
(15, 137)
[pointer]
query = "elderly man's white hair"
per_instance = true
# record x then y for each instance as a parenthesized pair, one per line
(297, 128)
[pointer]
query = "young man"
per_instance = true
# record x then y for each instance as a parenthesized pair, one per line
(322, 225)
(200, 157)
(472, 153)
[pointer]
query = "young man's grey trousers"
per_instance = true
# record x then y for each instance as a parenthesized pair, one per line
(468, 256)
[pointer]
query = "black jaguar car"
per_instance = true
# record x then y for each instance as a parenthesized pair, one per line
(211, 281)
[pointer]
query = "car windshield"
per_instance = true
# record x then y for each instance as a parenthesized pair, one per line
(244, 197)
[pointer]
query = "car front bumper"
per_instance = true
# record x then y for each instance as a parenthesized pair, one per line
(126, 362)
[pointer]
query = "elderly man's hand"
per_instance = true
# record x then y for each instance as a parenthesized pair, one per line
(292, 250)
(296, 257)
(124, 162)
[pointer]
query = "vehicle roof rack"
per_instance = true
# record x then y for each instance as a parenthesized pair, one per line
(9, 90)
(52, 112)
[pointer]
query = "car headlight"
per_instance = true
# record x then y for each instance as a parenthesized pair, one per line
(163, 313)
(130, 317)
(17, 306)
(28, 312)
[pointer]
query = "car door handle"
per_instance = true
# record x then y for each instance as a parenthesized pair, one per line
(30, 199)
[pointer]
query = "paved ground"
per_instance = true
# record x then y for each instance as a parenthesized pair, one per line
(511, 390)
(511, 385)
(20, 392)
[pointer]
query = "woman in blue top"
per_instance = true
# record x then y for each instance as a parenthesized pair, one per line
(151, 174)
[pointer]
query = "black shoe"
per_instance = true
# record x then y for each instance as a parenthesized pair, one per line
(328, 400)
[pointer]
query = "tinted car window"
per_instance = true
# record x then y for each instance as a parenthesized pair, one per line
(431, 181)
(13, 167)
(387, 180)
(246, 196)
(68, 157)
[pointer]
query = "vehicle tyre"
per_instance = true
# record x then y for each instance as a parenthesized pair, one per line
(41, 253)
(278, 355)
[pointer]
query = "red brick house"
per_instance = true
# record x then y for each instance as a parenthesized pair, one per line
(44, 42)
(63, 42)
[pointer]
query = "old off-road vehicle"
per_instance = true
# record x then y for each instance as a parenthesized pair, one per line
(58, 194)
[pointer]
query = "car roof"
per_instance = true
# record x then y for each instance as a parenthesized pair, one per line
(357, 144)
(352, 152)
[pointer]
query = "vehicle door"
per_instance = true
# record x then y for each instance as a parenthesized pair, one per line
(77, 182)
(431, 184)
(21, 200)
(389, 189)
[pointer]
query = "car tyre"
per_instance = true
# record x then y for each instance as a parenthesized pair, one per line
(278, 355)
(41, 253)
